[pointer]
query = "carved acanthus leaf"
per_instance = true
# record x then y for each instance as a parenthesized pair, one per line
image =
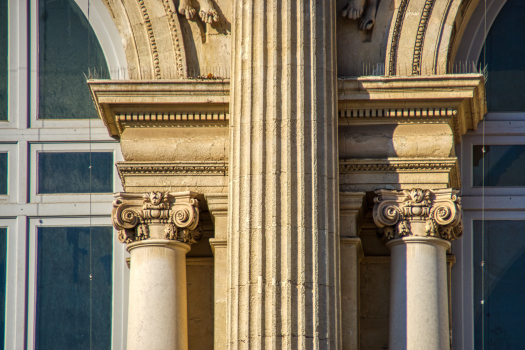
(419, 212)
(132, 217)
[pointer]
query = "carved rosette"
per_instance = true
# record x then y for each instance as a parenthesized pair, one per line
(417, 212)
(133, 215)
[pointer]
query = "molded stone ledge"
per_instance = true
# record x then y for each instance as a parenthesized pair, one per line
(121, 104)
(201, 177)
(456, 99)
(398, 173)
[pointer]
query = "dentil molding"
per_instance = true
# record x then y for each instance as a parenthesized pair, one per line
(134, 215)
(418, 212)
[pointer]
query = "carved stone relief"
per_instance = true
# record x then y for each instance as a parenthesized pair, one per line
(419, 212)
(364, 11)
(207, 13)
(178, 214)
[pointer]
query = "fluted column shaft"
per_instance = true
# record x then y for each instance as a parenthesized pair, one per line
(283, 242)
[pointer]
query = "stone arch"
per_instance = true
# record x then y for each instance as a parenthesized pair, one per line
(424, 35)
(152, 38)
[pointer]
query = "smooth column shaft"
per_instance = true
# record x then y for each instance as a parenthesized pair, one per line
(418, 294)
(283, 243)
(157, 297)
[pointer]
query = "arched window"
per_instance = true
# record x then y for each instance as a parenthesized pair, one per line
(68, 53)
(504, 57)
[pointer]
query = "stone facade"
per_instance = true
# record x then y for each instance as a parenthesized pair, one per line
(307, 145)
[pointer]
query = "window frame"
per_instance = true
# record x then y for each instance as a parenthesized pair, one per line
(15, 282)
(120, 294)
(63, 147)
(500, 203)
(18, 73)
(12, 171)
(111, 43)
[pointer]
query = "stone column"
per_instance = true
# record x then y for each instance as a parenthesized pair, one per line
(158, 229)
(419, 225)
(283, 241)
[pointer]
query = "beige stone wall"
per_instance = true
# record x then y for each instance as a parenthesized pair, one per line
(375, 302)
(200, 303)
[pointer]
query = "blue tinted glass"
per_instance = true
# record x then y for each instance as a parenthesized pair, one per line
(3, 284)
(4, 67)
(68, 52)
(505, 49)
(499, 324)
(3, 173)
(69, 172)
(504, 165)
(72, 311)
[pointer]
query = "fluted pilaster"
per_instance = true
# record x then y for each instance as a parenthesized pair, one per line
(283, 242)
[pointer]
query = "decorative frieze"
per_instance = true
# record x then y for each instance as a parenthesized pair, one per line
(418, 212)
(178, 213)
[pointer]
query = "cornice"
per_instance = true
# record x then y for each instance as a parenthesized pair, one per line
(160, 103)
(458, 100)
(455, 99)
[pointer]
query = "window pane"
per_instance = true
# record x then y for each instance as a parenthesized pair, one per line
(69, 172)
(3, 273)
(503, 285)
(3, 173)
(68, 50)
(4, 68)
(70, 307)
(504, 165)
(505, 47)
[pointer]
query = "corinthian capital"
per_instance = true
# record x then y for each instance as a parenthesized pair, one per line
(417, 212)
(173, 216)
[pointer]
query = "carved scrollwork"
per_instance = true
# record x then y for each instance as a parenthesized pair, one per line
(418, 212)
(184, 222)
(125, 220)
(132, 216)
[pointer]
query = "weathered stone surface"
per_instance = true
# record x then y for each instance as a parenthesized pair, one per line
(283, 241)
(199, 273)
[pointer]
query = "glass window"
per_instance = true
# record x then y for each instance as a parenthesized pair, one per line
(74, 284)
(68, 53)
(3, 272)
(504, 165)
(505, 49)
(3, 173)
(498, 322)
(70, 172)
(4, 67)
